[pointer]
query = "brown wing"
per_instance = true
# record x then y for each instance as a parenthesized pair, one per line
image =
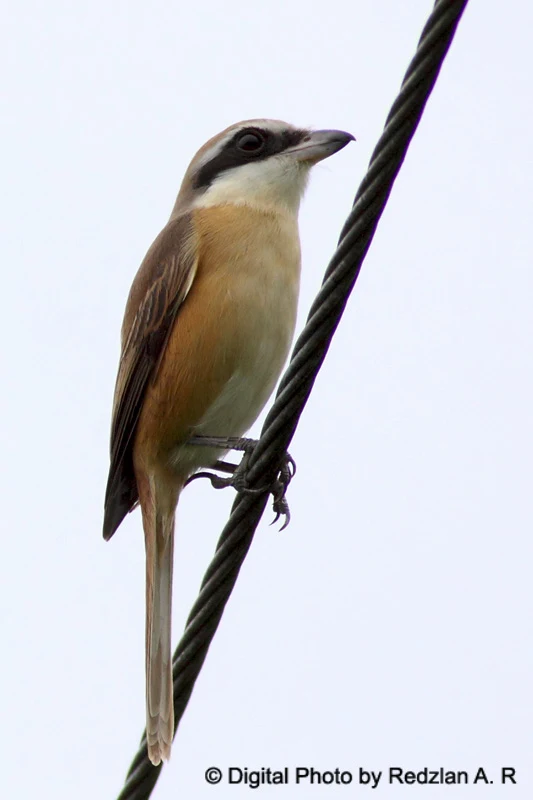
(158, 291)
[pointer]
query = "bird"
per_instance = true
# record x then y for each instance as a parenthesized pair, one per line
(207, 328)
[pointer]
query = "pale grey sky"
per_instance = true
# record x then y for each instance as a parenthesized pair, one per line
(390, 624)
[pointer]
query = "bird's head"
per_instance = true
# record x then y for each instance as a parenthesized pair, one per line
(259, 162)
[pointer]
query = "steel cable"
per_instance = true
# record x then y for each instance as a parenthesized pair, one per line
(297, 382)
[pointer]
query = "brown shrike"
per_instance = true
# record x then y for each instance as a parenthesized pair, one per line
(208, 325)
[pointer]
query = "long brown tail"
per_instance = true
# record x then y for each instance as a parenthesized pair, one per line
(159, 699)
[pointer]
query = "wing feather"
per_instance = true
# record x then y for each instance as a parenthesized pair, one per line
(157, 294)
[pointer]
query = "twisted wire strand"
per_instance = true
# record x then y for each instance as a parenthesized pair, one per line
(297, 382)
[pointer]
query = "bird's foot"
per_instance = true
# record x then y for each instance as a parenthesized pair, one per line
(238, 472)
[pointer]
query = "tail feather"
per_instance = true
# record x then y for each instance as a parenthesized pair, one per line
(159, 695)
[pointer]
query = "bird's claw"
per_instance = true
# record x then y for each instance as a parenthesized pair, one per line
(238, 473)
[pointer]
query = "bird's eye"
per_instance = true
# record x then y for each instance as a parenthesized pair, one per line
(251, 142)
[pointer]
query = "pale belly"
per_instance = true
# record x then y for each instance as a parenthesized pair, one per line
(265, 328)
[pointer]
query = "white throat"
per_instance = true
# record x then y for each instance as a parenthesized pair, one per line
(277, 181)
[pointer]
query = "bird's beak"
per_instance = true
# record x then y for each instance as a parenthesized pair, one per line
(319, 145)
